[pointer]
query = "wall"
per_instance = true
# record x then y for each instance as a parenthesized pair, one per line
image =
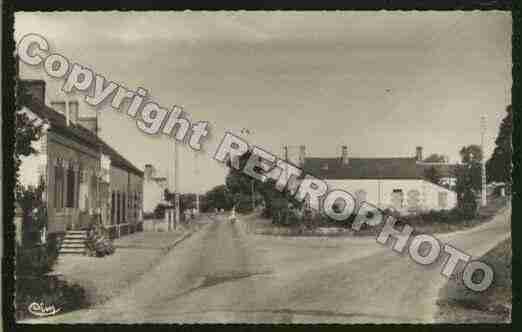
(432, 192)
(152, 195)
(131, 184)
(417, 194)
(59, 147)
(136, 186)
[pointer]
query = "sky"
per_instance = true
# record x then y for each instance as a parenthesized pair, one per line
(379, 82)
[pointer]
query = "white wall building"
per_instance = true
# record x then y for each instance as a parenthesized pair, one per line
(396, 183)
(153, 189)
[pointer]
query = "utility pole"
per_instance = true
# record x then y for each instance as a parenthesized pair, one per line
(176, 185)
(483, 164)
(196, 173)
(253, 196)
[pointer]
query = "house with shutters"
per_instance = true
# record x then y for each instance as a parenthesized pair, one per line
(85, 179)
(389, 183)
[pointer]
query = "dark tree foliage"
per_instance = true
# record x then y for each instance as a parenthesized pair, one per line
(471, 154)
(217, 198)
(470, 173)
(241, 186)
(466, 189)
(25, 133)
(499, 166)
(433, 175)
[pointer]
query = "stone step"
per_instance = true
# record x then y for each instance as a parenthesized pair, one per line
(73, 245)
(73, 241)
(72, 251)
(76, 233)
(75, 236)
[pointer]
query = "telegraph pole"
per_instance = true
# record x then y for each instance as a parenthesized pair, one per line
(253, 197)
(176, 185)
(483, 164)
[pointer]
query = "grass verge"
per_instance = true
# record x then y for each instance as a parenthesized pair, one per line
(457, 304)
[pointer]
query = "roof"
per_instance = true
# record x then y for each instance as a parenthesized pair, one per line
(444, 169)
(363, 168)
(78, 133)
(374, 168)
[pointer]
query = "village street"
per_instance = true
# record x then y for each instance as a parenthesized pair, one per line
(222, 274)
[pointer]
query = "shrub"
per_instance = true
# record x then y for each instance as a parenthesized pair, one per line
(49, 290)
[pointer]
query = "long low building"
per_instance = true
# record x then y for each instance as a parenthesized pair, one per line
(85, 179)
(394, 183)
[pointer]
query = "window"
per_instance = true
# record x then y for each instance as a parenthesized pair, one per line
(58, 187)
(93, 201)
(113, 206)
(124, 205)
(71, 188)
(397, 198)
(136, 205)
(118, 207)
(414, 198)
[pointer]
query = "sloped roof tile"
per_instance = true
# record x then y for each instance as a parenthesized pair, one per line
(77, 132)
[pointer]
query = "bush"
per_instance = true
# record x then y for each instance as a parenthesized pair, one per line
(49, 290)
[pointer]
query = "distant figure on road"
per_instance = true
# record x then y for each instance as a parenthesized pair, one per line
(232, 217)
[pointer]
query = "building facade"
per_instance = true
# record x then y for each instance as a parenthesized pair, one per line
(85, 179)
(389, 183)
(153, 189)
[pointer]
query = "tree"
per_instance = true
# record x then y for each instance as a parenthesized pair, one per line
(466, 197)
(469, 179)
(435, 158)
(472, 158)
(25, 134)
(433, 175)
(499, 166)
(240, 186)
(217, 198)
(471, 154)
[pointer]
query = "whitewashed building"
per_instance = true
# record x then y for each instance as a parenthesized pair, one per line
(85, 179)
(153, 189)
(396, 183)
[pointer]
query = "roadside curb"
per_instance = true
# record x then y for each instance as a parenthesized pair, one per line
(178, 241)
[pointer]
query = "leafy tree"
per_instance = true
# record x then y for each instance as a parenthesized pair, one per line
(471, 154)
(217, 198)
(472, 158)
(435, 158)
(433, 175)
(466, 197)
(499, 166)
(277, 204)
(25, 134)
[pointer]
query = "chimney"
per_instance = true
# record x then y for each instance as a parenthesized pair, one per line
(418, 153)
(149, 170)
(73, 111)
(33, 88)
(67, 114)
(302, 155)
(285, 152)
(344, 155)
